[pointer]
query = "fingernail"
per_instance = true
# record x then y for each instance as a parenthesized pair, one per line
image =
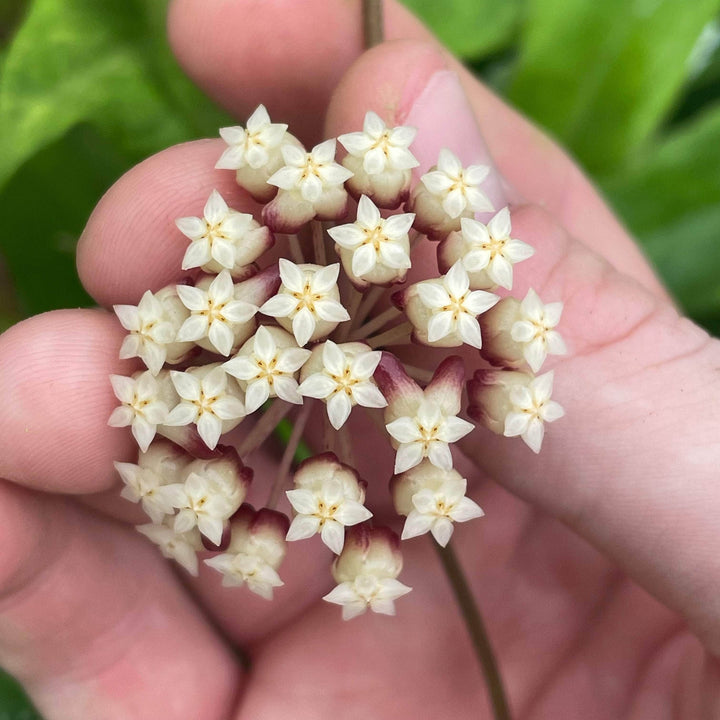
(444, 118)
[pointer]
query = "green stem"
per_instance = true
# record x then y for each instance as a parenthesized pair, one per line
(476, 629)
(372, 22)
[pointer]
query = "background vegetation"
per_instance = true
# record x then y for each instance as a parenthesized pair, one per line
(631, 87)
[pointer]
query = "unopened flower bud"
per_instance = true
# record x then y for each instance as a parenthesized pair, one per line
(256, 550)
(366, 572)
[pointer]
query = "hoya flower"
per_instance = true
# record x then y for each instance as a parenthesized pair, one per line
(447, 193)
(433, 500)
(209, 400)
(444, 311)
(380, 160)
(531, 409)
(487, 252)
(223, 239)
(255, 152)
(182, 548)
(372, 249)
(215, 314)
(328, 497)
(423, 423)
(200, 504)
(257, 548)
(142, 407)
(267, 366)
(308, 302)
(513, 403)
(366, 572)
(311, 185)
(522, 332)
(341, 375)
(155, 480)
(153, 325)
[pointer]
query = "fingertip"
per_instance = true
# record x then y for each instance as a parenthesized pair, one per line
(57, 399)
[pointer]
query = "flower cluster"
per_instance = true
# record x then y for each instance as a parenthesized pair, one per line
(242, 336)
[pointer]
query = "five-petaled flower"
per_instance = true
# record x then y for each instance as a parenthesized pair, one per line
(308, 302)
(341, 375)
(216, 314)
(209, 400)
(267, 366)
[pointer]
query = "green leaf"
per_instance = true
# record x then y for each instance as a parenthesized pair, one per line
(14, 704)
(470, 28)
(602, 75)
(80, 60)
(670, 199)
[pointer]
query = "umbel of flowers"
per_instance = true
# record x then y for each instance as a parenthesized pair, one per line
(242, 336)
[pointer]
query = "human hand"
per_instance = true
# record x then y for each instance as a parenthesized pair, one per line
(95, 624)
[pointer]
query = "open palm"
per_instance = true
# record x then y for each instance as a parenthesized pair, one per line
(623, 497)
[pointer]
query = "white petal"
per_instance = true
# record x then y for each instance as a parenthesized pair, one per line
(256, 394)
(221, 337)
(404, 430)
(286, 388)
(517, 251)
(552, 411)
(211, 528)
(542, 386)
(522, 331)
(331, 310)
(186, 385)
(334, 358)
(432, 294)
(440, 325)
(286, 177)
(290, 360)
(534, 434)
(223, 252)
(367, 213)
(456, 280)
(228, 408)
(281, 305)
(500, 226)
(364, 364)
(501, 271)
(182, 414)
(333, 535)
(214, 383)
(466, 509)
(123, 387)
(373, 125)
(368, 394)
(442, 530)
(454, 203)
(143, 432)
(192, 298)
(194, 328)
(338, 409)
(215, 208)
(535, 353)
(209, 428)
(394, 255)
(440, 456)
(317, 385)
(291, 275)
(352, 513)
(356, 143)
(325, 279)
(374, 161)
(363, 260)
(416, 524)
(302, 527)
(239, 311)
(475, 174)
(516, 424)
(303, 326)
(347, 236)
(324, 152)
(555, 343)
(241, 367)
(408, 456)
(454, 428)
(396, 227)
(303, 501)
(469, 330)
(128, 316)
(477, 200)
(192, 227)
(436, 182)
(311, 188)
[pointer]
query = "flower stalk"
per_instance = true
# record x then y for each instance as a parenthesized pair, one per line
(476, 629)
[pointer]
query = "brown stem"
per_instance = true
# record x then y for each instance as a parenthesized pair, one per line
(370, 300)
(352, 305)
(318, 242)
(398, 335)
(296, 250)
(376, 323)
(264, 427)
(476, 630)
(372, 22)
(289, 454)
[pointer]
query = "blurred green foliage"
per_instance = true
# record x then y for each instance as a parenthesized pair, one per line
(631, 87)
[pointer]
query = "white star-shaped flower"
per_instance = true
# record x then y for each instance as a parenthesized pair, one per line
(490, 248)
(435, 509)
(427, 434)
(182, 548)
(372, 243)
(536, 330)
(308, 301)
(247, 568)
(310, 174)
(152, 329)
(531, 409)
(214, 313)
(208, 401)
(327, 498)
(268, 369)
(149, 488)
(367, 591)
(456, 187)
(251, 145)
(379, 147)
(345, 380)
(453, 307)
(220, 239)
(203, 505)
(141, 406)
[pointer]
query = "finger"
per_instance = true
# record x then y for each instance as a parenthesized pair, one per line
(281, 64)
(95, 625)
(634, 389)
(54, 437)
(57, 400)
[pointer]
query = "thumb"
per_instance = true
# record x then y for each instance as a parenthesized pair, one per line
(632, 467)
